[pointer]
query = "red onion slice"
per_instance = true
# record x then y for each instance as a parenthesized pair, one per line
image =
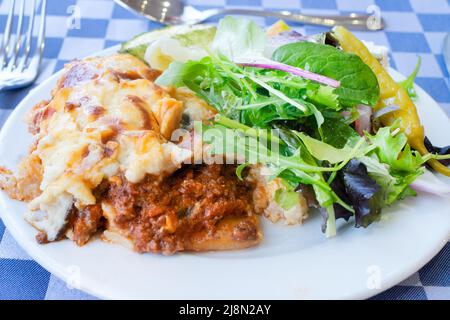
(429, 183)
(385, 110)
(293, 70)
(363, 123)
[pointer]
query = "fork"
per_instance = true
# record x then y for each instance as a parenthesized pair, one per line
(17, 68)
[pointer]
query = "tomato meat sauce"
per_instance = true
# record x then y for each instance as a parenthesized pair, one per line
(197, 208)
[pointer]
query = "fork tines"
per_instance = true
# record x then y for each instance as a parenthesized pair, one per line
(15, 50)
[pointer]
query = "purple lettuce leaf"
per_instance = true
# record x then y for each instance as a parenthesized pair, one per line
(438, 150)
(354, 185)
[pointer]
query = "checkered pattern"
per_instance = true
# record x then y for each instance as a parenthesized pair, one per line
(414, 27)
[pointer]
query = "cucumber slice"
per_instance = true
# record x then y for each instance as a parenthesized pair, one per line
(139, 43)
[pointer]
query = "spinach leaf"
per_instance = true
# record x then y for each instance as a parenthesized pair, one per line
(359, 84)
(337, 132)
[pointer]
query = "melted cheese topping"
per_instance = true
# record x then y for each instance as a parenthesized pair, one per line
(106, 117)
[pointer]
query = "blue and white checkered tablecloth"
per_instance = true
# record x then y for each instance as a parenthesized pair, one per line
(414, 27)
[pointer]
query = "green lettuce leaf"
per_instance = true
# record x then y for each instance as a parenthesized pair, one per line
(286, 198)
(324, 151)
(392, 148)
(237, 38)
(209, 82)
(325, 96)
(394, 186)
(393, 164)
(177, 72)
(408, 83)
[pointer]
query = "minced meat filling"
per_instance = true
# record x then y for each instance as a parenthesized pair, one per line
(164, 214)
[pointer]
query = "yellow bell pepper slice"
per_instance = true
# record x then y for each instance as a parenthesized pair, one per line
(277, 28)
(391, 93)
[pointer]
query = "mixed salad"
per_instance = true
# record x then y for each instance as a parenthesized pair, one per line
(335, 119)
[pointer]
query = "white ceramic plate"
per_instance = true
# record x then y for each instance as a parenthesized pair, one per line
(291, 263)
